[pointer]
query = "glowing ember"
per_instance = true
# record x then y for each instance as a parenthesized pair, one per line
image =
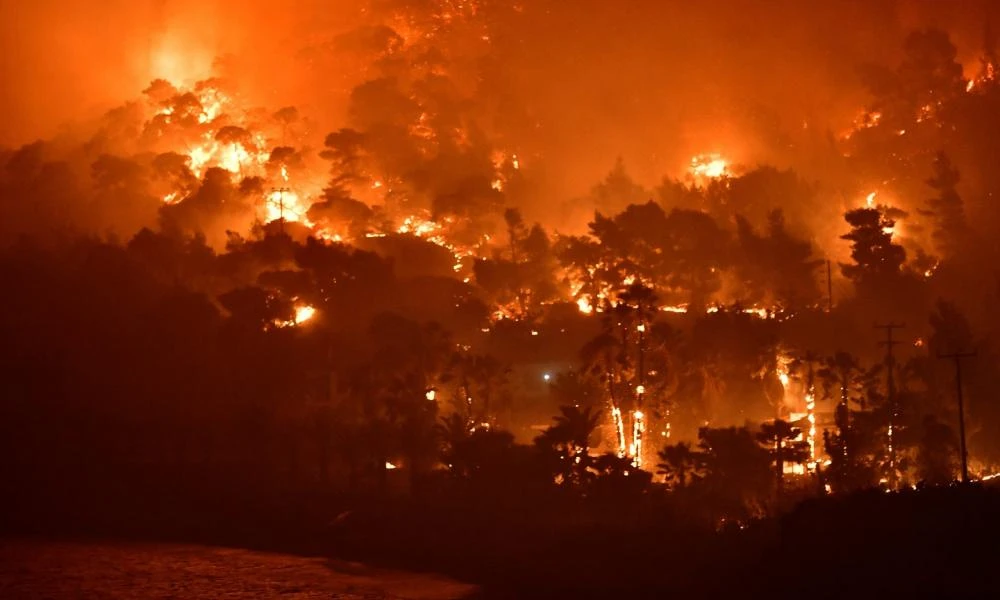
(681, 309)
(304, 313)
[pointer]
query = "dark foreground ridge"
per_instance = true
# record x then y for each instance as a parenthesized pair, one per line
(938, 541)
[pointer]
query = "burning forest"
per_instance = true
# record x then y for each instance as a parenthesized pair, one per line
(426, 250)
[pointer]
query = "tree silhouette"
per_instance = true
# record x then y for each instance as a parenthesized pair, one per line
(776, 269)
(569, 441)
(737, 471)
(937, 453)
(946, 208)
(876, 257)
(679, 464)
(779, 438)
(843, 373)
(605, 360)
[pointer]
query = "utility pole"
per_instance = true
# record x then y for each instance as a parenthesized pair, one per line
(890, 363)
(280, 192)
(957, 357)
(829, 288)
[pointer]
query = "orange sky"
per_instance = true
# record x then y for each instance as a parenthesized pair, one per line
(652, 81)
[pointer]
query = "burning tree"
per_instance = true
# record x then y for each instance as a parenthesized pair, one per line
(785, 446)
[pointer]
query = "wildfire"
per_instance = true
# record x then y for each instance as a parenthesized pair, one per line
(616, 416)
(708, 166)
(811, 419)
(225, 142)
(987, 76)
(783, 376)
(638, 429)
(283, 203)
(303, 313)
(679, 309)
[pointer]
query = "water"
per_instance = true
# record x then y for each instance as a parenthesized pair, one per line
(57, 570)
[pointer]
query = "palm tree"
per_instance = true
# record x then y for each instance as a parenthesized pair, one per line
(779, 438)
(568, 440)
(679, 464)
(603, 360)
(574, 427)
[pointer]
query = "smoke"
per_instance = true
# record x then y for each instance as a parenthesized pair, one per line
(570, 87)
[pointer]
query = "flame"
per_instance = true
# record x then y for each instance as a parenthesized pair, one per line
(638, 429)
(870, 200)
(244, 157)
(433, 232)
(783, 362)
(708, 166)
(811, 418)
(284, 203)
(303, 313)
(616, 416)
(328, 236)
(681, 309)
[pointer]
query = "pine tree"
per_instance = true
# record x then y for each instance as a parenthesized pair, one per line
(875, 256)
(946, 207)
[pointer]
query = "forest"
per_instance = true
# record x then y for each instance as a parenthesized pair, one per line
(209, 304)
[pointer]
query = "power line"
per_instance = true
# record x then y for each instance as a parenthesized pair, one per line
(280, 193)
(957, 357)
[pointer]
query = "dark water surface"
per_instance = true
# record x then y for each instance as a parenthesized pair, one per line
(57, 570)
